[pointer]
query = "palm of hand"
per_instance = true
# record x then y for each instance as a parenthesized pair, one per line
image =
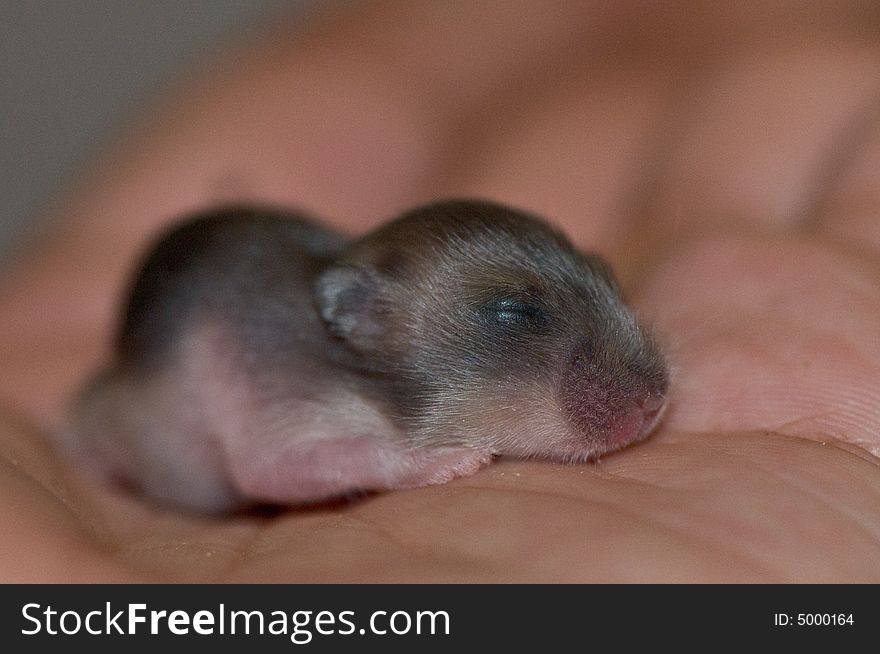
(765, 467)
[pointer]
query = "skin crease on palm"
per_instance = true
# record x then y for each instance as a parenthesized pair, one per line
(726, 161)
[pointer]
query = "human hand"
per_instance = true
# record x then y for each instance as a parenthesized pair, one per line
(725, 162)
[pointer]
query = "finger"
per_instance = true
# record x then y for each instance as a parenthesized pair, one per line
(628, 157)
(770, 332)
(571, 154)
(849, 210)
(754, 137)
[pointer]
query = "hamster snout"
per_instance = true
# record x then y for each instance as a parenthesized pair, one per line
(615, 395)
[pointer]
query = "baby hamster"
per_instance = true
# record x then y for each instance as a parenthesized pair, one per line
(263, 358)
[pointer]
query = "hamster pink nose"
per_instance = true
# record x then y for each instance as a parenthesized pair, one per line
(653, 407)
(637, 423)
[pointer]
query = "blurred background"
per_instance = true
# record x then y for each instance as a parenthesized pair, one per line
(72, 72)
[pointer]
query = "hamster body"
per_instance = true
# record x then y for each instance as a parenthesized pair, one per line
(263, 358)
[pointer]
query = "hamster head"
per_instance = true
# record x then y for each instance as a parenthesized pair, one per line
(492, 330)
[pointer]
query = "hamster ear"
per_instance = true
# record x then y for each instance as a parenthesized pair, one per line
(351, 304)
